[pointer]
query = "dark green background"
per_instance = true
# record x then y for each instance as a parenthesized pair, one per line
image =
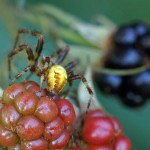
(119, 11)
(136, 122)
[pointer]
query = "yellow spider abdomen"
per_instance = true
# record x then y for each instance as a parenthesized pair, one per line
(56, 79)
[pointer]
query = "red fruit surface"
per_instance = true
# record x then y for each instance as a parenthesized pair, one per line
(38, 144)
(12, 91)
(60, 142)
(94, 113)
(46, 109)
(26, 102)
(29, 127)
(98, 130)
(98, 147)
(35, 88)
(117, 126)
(53, 129)
(29, 84)
(7, 138)
(9, 116)
(66, 111)
(122, 143)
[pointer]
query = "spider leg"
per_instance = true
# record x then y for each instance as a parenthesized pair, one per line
(17, 50)
(43, 72)
(70, 66)
(62, 53)
(83, 79)
(21, 73)
(40, 42)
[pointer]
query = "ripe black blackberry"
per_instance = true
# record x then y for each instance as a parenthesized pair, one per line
(124, 36)
(144, 43)
(108, 83)
(130, 49)
(124, 58)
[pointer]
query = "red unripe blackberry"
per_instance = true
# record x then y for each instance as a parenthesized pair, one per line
(117, 126)
(9, 116)
(46, 109)
(12, 91)
(61, 141)
(94, 113)
(98, 130)
(29, 84)
(38, 144)
(7, 138)
(29, 127)
(31, 119)
(35, 88)
(122, 143)
(26, 102)
(53, 129)
(66, 111)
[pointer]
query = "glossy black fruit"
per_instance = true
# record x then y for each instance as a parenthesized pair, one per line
(108, 83)
(144, 43)
(124, 58)
(125, 36)
(139, 83)
(140, 29)
(132, 99)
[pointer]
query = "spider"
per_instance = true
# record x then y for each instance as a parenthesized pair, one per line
(53, 73)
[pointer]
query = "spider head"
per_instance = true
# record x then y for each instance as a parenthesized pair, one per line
(56, 79)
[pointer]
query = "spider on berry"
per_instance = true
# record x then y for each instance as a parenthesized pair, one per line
(55, 75)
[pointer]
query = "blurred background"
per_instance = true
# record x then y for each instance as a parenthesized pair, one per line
(85, 26)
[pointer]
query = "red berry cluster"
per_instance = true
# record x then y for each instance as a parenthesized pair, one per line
(102, 132)
(32, 120)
